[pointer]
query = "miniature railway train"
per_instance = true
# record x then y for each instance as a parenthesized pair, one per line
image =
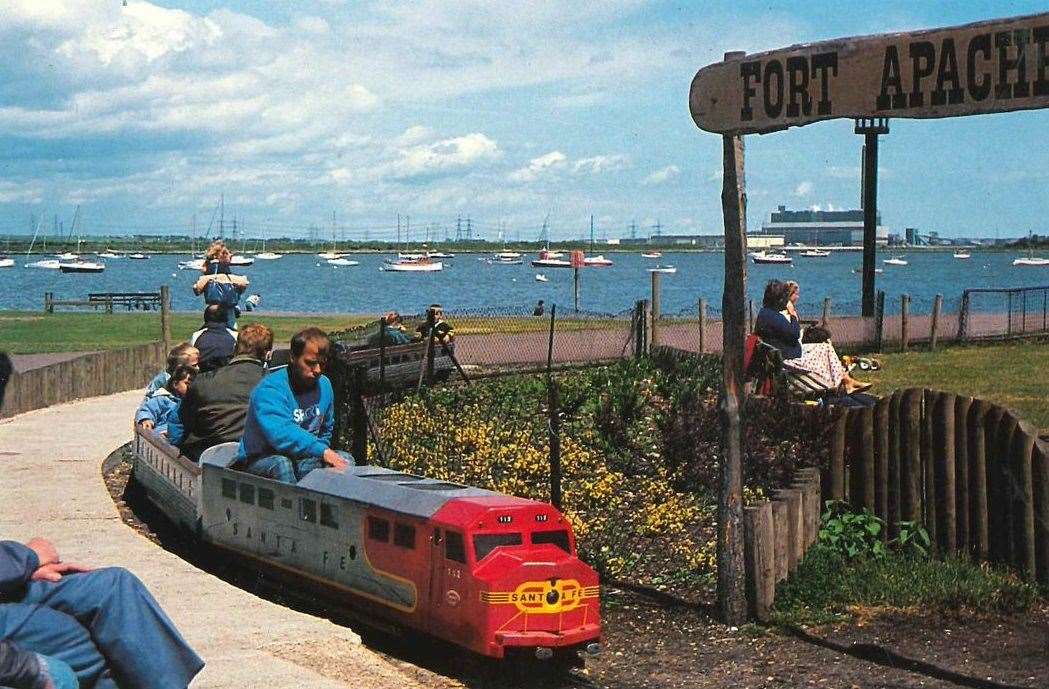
(489, 572)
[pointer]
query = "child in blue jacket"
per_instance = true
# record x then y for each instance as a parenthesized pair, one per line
(162, 405)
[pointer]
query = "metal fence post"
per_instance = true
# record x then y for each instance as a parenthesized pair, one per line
(934, 325)
(963, 317)
(657, 310)
(1009, 319)
(826, 311)
(639, 329)
(879, 321)
(648, 328)
(165, 317)
(905, 304)
(702, 325)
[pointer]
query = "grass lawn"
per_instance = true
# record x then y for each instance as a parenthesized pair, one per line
(32, 332)
(1015, 375)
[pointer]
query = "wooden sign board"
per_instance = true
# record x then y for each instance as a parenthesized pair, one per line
(993, 66)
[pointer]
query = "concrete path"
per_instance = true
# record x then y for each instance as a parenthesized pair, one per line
(52, 486)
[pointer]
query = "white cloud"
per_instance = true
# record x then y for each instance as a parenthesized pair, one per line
(414, 135)
(601, 163)
(803, 188)
(544, 164)
(661, 175)
(459, 152)
(11, 192)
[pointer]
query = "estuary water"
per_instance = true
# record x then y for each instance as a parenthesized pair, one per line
(304, 283)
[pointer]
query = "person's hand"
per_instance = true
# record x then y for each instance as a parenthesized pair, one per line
(147, 424)
(334, 459)
(791, 310)
(45, 551)
(56, 570)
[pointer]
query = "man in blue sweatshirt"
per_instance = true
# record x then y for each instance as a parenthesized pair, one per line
(291, 416)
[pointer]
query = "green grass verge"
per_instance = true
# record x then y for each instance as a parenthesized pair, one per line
(1011, 374)
(826, 586)
(32, 332)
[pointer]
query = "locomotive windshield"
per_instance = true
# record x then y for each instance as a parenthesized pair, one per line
(558, 538)
(486, 543)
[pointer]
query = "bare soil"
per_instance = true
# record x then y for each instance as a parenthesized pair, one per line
(658, 642)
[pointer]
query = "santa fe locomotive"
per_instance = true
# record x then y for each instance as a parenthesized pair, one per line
(486, 571)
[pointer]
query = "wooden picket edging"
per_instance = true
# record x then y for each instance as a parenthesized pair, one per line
(90, 375)
(777, 534)
(973, 473)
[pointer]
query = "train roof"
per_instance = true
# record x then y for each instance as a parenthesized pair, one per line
(393, 490)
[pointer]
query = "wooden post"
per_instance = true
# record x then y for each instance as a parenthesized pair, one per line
(750, 315)
(905, 307)
(1040, 487)
(760, 559)
(639, 329)
(826, 312)
(983, 420)
(865, 419)
(359, 420)
(795, 524)
(999, 520)
(944, 460)
(575, 287)
(870, 128)
(879, 322)
(731, 584)
(893, 452)
(934, 325)
(657, 309)
(648, 328)
(554, 424)
(962, 405)
(910, 456)
(928, 461)
(49, 298)
(834, 482)
(881, 461)
(1022, 494)
(165, 317)
(702, 325)
(780, 529)
(382, 353)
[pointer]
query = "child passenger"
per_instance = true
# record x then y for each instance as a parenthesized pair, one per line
(163, 404)
(183, 354)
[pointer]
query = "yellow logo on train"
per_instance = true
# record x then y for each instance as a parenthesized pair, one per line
(544, 597)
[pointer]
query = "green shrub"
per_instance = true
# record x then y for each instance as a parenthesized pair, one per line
(852, 534)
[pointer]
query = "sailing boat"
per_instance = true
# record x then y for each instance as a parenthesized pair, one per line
(45, 263)
(895, 261)
(1030, 260)
(330, 255)
(5, 260)
(79, 265)
(267, 255)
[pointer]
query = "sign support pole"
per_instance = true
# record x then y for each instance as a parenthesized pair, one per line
(871, 128)
(731, 585)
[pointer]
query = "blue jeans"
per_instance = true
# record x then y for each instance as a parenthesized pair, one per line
(62, 676)
(287, 470)
(104, 625)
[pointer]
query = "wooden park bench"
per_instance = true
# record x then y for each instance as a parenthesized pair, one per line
(132, 301)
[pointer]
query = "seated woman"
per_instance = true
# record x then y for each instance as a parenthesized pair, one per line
(777, 324)
(162, 405)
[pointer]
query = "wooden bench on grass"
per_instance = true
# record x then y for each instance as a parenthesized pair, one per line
(132, 301)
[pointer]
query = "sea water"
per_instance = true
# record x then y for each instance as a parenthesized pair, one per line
(304, 283)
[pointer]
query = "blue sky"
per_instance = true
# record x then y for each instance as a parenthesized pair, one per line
(507, 113)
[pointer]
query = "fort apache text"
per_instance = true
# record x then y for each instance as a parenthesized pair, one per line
(1001, 65)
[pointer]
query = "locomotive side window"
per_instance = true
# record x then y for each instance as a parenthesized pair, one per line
(247, 493)
(308, 510)
(403, 535)
(266, 498)
(229, 488)
(558, 538)
(328, 515)
(378, 529)
(486, 543)
(455, 547)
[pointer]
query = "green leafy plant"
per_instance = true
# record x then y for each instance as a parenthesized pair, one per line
(913, 540)
(852, 534)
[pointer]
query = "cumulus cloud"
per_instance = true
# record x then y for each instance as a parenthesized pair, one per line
(661, 176)
(537, 167)
(459, 152)
(599, 164)
(11, 192)
(803, 188)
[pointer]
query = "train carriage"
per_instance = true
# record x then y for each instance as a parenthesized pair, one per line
(486, 571)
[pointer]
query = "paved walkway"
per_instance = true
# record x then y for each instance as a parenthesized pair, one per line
(52, 487)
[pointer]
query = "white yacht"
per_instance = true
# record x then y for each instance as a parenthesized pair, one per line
(770, 257)
(341, 261)
(419, 265)
(895, 261)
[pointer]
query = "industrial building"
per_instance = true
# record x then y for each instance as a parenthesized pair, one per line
(821, 228)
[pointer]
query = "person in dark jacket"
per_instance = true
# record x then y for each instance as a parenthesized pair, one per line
(21, 669)
(778, 325)
(214, 408)
(103, 623)
(215, 341)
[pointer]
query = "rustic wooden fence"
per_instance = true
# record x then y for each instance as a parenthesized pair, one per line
(777, 533)
(973, 473)
(90, 375)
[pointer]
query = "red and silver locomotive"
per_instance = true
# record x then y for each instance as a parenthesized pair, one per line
(489, 572)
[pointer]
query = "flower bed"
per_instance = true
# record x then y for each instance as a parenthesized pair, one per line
(639, 454)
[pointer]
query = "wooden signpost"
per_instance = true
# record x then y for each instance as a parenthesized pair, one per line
(987, 67)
